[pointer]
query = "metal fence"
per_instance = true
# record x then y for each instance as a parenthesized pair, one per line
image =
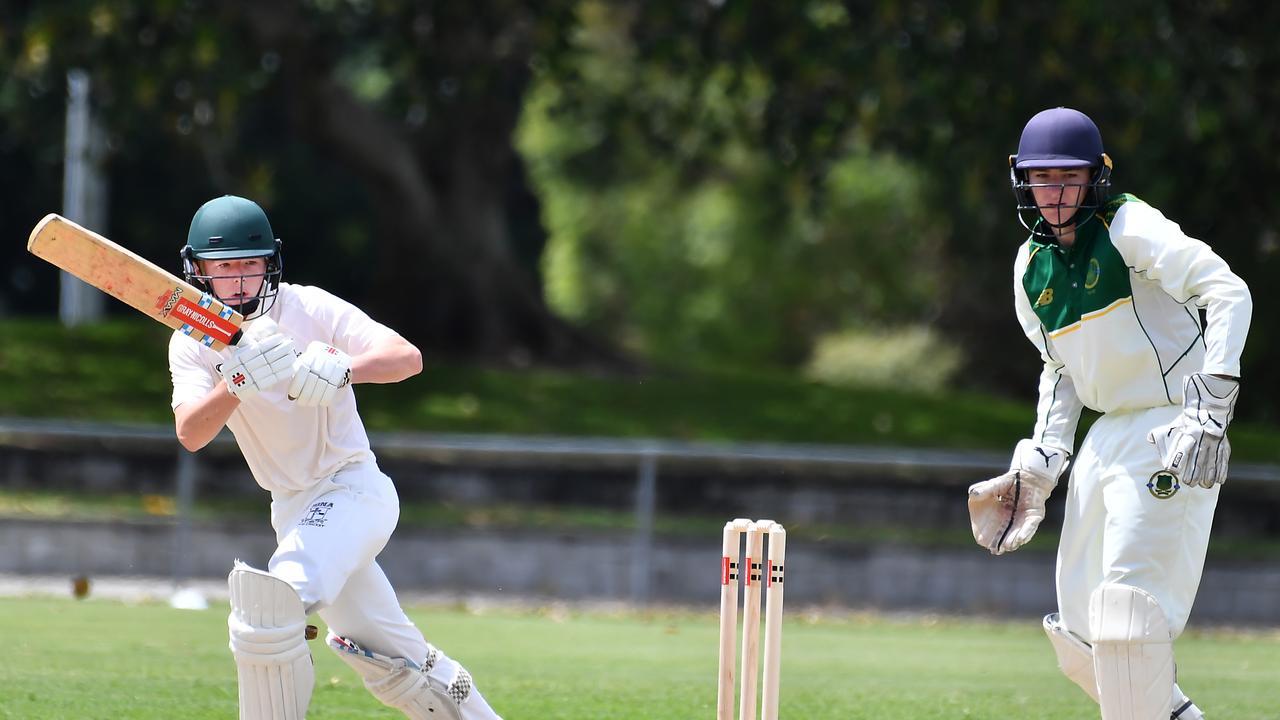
(647, 457)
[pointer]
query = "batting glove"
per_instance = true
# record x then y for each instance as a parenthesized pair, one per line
(318, 374)
(1194, 447)
(1005, 511)
(261, 361)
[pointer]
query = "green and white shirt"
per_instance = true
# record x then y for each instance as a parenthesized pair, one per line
(1115, 315)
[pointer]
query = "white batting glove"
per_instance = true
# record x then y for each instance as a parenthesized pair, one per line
(1005, 511)
(318, 374)
(1194, 447)
(262, 360)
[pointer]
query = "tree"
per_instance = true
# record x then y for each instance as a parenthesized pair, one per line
(697, 106)
(1181, 92)
(413, 102)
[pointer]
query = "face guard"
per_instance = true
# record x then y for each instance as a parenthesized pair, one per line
(1059, 138)
(250, 307)
(233, 228)
(1097, 190)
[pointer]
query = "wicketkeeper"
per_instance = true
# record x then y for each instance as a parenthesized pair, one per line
(1139, 322)
(294, 417)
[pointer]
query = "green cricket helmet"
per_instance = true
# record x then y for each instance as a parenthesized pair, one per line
(234, 228)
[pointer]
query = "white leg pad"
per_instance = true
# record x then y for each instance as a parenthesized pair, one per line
(268, 640)
(438, 688)
(1132, 654)
(1075, 657)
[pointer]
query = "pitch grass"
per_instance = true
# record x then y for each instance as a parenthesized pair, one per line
(106, 659)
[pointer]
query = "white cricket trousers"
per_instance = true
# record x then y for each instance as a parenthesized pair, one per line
(1118, 530)
(328, 537)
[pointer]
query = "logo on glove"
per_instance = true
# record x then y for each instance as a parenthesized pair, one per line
(1163, 485)
(238, 379)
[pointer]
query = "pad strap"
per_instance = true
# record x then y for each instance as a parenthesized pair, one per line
(417, 690)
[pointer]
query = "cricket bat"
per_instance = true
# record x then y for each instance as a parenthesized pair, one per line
(135, 281)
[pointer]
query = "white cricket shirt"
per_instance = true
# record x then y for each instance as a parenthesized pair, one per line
(1115, 316)
(289, 448)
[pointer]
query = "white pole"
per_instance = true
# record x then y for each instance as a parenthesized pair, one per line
(83, 197)
(185, 597)
(642, 543)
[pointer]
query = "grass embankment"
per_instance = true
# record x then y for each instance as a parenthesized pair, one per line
(117, 372)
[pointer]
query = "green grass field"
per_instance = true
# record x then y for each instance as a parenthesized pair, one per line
(107, 659)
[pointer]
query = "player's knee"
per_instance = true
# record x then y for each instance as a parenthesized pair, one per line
(1132, 653)
(1120, 613)
(311, 584)
(437, 688)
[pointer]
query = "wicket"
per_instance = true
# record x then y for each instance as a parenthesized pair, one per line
(752, 554)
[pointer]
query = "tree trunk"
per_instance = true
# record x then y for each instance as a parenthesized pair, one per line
(447, 209)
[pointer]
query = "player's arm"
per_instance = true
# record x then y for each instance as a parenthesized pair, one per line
(1194, 446)
(1190, 272)
(323, 369)
(1005, 511)
(390, 360)
(197, 422)
(1059, 406)
(263, 359)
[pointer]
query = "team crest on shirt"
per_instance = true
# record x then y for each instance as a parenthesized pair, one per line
(1163, 485)
(1091, 277)
(1045, 298)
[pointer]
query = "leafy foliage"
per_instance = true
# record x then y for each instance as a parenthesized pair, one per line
(910, 358)
(945, 88)
(690, 158)
(741, 265)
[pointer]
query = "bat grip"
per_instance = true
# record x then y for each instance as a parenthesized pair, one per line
(235, 339)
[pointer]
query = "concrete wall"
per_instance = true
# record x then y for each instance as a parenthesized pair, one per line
(587, 565)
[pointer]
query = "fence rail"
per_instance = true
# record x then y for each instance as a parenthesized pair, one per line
(550, 450)
(647, 456)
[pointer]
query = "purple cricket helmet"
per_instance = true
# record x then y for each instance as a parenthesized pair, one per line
(1059, 138)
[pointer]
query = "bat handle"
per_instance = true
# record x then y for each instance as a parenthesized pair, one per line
(235, 339)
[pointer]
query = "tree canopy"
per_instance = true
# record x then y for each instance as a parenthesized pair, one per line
(723, 181)
(1181, 92)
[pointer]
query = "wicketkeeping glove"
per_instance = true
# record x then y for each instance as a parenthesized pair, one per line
(1194, 447)
(318, 374)
(262, 360)
(1005, 511)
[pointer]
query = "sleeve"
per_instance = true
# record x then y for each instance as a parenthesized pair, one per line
(1190, 272)
(1058, 409)
(192, 380)
(354, 332)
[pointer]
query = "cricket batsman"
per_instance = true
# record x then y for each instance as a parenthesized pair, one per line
(285, 392)
(1145, 325)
